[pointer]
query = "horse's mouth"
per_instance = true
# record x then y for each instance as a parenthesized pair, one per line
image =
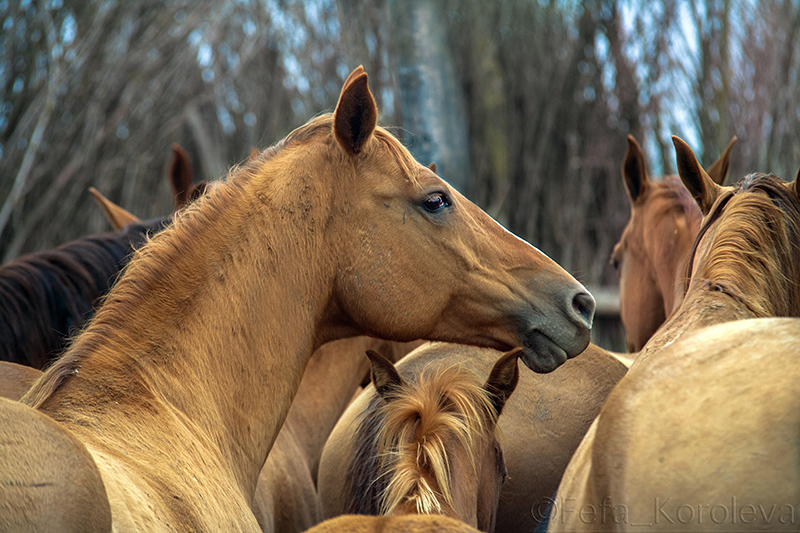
(541, 354)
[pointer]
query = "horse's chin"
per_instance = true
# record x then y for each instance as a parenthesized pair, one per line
(541, 354)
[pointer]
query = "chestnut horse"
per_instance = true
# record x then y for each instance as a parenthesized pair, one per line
(169, 400)
(426, 443)
(542, 425)
(286, 497)
(650, 255)
(705, 423)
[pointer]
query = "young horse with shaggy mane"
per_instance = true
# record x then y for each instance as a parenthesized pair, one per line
(427, 445)
(542, 424)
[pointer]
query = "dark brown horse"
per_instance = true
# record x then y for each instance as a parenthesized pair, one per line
(169, 400)
(45, 297)
(705, 423)
(651, 253)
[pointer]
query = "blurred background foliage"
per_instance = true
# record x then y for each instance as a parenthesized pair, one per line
(523, 104)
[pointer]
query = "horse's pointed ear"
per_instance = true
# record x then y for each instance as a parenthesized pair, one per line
(432, 167)
(718, 171)
(633, 170)
(356, 114)
(699, 183)
(181, 176)
(503, 379)
(385, 377)
(118, 216)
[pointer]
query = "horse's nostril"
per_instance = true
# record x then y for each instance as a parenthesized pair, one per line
(583, 304)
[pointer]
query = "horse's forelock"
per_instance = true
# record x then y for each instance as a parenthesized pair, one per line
(442, 406)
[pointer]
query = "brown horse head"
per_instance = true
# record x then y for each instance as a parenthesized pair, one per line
(747, 245)
(421, 245)
(436, 440)
(652, 249)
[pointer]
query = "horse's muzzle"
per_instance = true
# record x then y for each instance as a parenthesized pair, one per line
(541, 354)
(559, 333)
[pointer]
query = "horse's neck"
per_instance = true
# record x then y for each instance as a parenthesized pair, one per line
(220, 334)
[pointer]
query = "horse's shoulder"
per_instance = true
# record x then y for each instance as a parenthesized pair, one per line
(43, 462)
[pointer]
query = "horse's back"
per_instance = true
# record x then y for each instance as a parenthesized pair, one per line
(699, 437)
(393, 524)
(48, 479)
(542, 425)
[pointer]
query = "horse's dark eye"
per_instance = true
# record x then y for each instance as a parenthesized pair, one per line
(436, 202)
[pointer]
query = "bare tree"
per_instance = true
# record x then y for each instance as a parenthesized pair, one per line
(541, 95)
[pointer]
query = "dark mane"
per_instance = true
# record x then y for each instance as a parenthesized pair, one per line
(47, 296)
(365, 487)
(758, 229)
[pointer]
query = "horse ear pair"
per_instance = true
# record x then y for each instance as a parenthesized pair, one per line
(704, 186)
(501, 383)
(356, 114)
(634, 173)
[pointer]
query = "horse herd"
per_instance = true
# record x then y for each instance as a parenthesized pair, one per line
(190, 400)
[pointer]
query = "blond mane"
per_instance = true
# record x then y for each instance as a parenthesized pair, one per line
(417, 428)
(762, 232)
